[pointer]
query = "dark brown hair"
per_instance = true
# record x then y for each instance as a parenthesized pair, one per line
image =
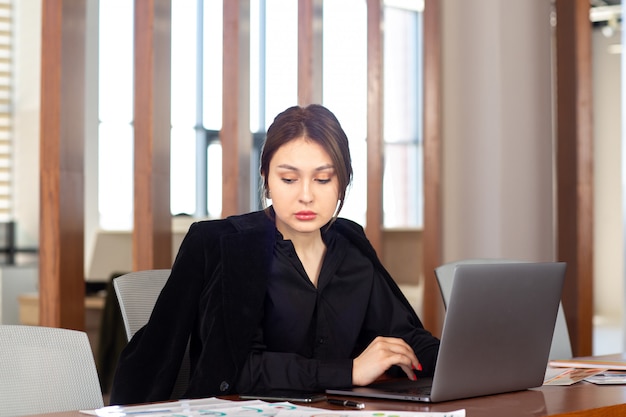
(318, 124)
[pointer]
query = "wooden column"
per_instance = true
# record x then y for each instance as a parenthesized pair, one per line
(61, 254)
(433, 310)
(575, 167)
(152, 233)
(235, 135)
(375, 141)
(309, 52)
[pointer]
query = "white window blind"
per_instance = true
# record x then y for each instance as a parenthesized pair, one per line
(6, 108)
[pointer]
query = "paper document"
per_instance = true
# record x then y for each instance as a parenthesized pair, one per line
(613, 362)
(608, 378)
(373, 413)
(216, 407)
(572, 376)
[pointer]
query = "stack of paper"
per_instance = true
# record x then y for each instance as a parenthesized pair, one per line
(216, 407)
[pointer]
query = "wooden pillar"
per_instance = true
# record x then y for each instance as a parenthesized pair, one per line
(235, 135)
(375, 142)
(152, 233)
(433, 310)
(309, 52)
(61, 254)
(575, 167)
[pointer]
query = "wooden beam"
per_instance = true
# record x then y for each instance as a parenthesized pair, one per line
(433, 310)
(61, 233)
(309, 52)
(235, 135)
(575, 167)
(152, 233)
(375, 140)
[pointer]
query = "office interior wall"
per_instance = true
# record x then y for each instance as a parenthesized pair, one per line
(608, 223)
(497, 130)
(91, 210)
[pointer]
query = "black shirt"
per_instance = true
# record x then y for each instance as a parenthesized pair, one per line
(310, 335)
(214, 302)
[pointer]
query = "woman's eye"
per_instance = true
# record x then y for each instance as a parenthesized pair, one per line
(323, 180)
(288, 180)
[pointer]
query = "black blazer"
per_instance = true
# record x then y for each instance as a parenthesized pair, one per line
(214, 298)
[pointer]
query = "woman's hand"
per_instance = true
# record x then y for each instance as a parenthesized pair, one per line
(379, 356)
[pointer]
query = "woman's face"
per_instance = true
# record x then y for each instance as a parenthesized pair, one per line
(303, 187)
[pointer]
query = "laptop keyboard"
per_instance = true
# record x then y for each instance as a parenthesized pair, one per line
(406, 387)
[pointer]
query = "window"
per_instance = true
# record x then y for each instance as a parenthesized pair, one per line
(345, 89)
(197, 99)
(186, 121)
(115, 134)
(403, 179)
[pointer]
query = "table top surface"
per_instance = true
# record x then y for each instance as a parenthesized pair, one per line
(541, 401)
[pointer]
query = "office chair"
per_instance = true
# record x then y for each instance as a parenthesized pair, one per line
(137, 293)
(561, 347)
(46, 370)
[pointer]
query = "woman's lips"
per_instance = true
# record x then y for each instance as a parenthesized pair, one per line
(305, 215)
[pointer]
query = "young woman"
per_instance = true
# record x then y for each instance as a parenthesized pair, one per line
(290, 297)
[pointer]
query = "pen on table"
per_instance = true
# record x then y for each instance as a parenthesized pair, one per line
(346, 403)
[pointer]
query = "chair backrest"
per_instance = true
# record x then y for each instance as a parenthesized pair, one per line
(561, 344)
(137, 293)
(46, 370)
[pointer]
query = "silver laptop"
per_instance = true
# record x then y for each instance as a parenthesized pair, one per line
(496, 335)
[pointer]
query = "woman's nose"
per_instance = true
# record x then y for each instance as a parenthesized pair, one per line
(306, 194)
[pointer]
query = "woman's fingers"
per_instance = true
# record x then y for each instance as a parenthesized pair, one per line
(408, 371)
(399, 346)
(380, 355)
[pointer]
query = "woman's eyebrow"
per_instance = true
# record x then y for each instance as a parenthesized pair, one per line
(325, 167)
(287, 166)
(293, 168)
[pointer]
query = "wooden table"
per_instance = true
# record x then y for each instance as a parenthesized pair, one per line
(543, 401)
